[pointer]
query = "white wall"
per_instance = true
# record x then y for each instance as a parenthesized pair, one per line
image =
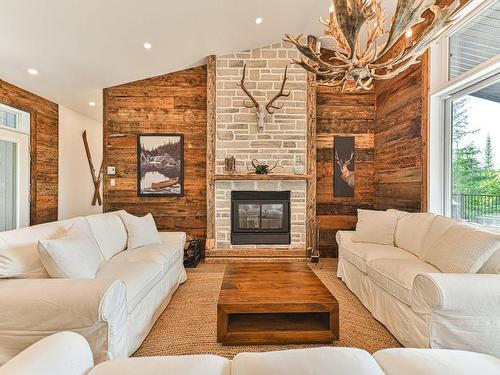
(75, 183)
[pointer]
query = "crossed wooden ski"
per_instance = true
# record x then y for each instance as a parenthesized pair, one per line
(96, 179)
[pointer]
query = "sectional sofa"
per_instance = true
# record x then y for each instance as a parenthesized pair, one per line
(114, 310)
(434, 282)
(45, 358)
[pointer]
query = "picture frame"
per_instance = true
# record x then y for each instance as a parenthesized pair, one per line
(160, 165)
(344, 167)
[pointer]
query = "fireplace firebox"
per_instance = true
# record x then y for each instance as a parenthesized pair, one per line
(260, 217)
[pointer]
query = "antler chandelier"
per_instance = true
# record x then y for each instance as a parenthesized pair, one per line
(354, 65)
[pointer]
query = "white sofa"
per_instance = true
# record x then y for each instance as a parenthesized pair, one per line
(114, 311)
(420, 305)
(45, 358)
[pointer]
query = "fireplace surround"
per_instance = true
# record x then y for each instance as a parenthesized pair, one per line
(260, 217)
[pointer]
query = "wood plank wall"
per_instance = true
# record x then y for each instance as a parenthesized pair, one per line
(171, 103)
(401, 128)
(44, 149)
(343, 114)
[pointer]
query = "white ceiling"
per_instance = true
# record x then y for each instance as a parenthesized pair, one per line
(80, 47)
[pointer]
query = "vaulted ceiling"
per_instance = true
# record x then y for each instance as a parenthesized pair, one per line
(80, 47)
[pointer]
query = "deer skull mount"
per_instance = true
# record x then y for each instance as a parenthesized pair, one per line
(260, 111)
(345, 173)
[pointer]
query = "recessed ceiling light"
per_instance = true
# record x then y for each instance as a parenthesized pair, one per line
(32, 71)
(92, 104)
(258, 20)
(147, 45)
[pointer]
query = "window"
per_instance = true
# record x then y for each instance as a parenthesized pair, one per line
(475, 42)
(14, 168)
(474, 144)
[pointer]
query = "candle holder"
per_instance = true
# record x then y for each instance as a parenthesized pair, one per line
(312, 248)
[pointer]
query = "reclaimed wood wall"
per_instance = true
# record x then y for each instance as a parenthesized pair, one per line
(44, 149)
(343, 114)
(401, 128)
(171, 103)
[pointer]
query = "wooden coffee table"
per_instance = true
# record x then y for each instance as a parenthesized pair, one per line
(275, 303)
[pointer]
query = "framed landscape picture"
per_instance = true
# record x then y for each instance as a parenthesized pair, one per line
(344, 167)
(160, 165)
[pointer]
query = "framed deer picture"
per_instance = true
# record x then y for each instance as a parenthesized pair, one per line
(344, 152)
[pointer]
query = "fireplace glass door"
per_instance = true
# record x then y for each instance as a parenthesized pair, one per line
(260, 217)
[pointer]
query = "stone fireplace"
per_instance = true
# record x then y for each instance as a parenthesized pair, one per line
(272, 225)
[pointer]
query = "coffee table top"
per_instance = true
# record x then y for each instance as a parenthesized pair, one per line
(292, 286)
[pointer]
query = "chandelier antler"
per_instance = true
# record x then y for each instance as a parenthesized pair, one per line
(383, 55)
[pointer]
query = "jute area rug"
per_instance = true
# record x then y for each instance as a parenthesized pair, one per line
(189, 323)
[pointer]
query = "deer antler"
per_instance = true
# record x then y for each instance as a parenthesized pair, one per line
(337, 159)
(242, 85)
(269, 106)
(350, 159)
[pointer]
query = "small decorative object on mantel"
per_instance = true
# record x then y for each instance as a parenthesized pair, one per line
(193, 251)
(261, 168)
(230, 164)
(354, 61)
(312, 251)
(344, 167)
(96, 179)
(299, 168)
(270, 107)
(160, 165)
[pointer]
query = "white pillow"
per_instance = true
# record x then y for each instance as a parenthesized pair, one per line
(375, 227)
(141, 230)
(411, 231)
(463, 249)
(75, 255)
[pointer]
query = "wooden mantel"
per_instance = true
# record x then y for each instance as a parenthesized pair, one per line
(253, 176)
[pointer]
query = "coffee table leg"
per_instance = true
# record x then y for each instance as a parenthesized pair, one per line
(222, 324)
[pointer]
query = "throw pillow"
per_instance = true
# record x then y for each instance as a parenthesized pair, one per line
(463, 249)
(75, 255)
(375, 227)
(142, 231)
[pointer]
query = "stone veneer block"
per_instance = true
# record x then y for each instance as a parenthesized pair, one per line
(285, 130)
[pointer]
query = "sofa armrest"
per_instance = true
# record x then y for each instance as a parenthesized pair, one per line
(461, 294)
(35, 308)
(173, 238)
(64, 353)
(344, 236)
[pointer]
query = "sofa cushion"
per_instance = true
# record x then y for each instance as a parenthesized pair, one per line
(139, 277)
(185, 365)
(360, 253)
(162, 254)
(109, 232)
(411, 231)
(141, 231)
(396, 275)
(463, 249)
(398, 213)
(375, 227)
(439, 226)
(409, 361)
(19, 249)
(75, 255)
(318, 361)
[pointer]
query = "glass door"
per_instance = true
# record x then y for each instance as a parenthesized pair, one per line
(14, 168)
(474, 153)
